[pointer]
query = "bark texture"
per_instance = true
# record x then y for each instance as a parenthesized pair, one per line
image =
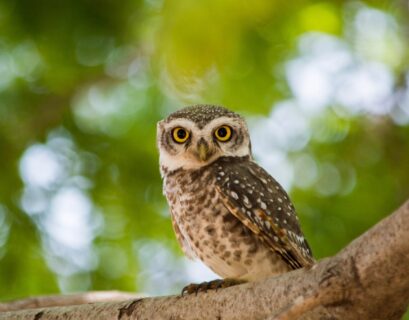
(67, 300)
(369, 279)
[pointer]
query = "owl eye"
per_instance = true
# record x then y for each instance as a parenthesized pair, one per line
(180, 135)
(223, 133)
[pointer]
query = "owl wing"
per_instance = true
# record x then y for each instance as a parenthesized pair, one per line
(263, 206)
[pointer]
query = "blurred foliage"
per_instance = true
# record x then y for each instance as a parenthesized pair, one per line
(83, 83)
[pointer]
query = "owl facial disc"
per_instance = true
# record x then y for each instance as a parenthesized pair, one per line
(199, 135)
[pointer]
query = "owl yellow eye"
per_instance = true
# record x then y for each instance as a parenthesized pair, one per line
(223, 133)
(180, 135)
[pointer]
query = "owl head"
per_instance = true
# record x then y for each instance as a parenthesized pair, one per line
(196, 136)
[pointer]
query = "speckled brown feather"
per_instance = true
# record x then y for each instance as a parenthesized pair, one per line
(227, 211)
(259, 201)
(202, 114)
(184, 244)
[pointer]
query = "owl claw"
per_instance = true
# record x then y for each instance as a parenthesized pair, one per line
(210, 285)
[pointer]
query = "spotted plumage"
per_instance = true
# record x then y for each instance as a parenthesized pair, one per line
(226, 210)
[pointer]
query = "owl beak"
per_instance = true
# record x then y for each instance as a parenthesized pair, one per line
(203, 150)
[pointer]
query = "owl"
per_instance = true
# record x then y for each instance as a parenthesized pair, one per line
(226, 210)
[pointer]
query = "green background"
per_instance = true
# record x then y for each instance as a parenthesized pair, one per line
(323, 85)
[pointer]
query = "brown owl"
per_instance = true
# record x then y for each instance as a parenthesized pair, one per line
(226, 210)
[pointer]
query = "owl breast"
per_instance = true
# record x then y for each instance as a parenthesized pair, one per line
(207, 230)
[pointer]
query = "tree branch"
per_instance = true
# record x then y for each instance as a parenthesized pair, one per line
(369, 279)
(67, 300)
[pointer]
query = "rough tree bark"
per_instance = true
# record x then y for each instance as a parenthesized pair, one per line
(67, 300)
(369, 279)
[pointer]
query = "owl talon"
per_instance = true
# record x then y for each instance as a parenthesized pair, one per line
(195, 288)
(210, 285)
